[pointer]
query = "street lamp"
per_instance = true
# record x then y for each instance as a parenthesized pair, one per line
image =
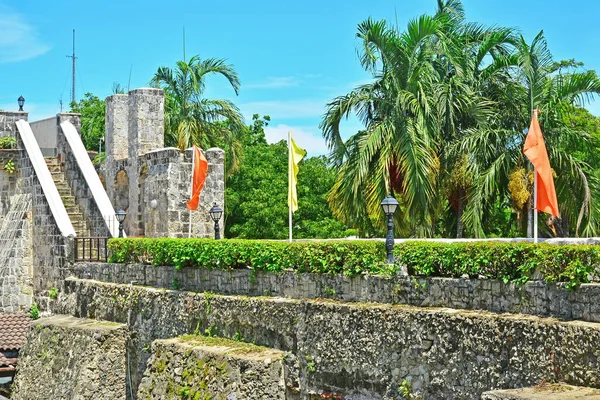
(389, 205)
(215, 214)
(21, 101)
(120, 217)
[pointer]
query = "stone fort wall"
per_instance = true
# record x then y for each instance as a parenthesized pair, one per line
(150, 182)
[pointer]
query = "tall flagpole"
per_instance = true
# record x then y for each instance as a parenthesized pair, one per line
(192, 188)
(535, 200)
(290, 180)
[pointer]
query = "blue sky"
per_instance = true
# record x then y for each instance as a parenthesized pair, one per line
(292, 57)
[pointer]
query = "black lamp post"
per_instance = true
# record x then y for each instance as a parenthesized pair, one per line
(389, 205)
(120, 217)
(215, 213)
(21, 101)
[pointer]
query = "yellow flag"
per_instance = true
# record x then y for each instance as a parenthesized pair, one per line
(295, 155)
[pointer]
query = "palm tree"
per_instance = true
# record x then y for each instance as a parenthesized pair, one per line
(426, 91)
(534, 82)
(191, 119)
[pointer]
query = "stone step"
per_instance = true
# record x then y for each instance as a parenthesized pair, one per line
(54, 168)
(546, 391)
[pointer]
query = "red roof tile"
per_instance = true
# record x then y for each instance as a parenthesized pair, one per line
(13, 330)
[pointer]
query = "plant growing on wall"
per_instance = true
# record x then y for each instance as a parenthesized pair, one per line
(8, 142)
(10, 166)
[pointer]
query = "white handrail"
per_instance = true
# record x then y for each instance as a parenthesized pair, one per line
(91, 177)
(43, 174)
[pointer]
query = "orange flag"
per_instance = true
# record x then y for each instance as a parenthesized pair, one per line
(535, 151)
(200, 166)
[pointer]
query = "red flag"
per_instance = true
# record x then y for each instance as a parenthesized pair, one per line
(535, 151)
(200, 170)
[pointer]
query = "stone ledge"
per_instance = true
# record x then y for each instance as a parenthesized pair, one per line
(208, 367)
(544, 392)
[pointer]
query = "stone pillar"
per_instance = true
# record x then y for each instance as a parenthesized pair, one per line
(146, 133)
(7, 122)
(116, 126)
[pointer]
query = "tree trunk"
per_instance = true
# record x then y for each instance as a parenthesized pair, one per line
(459, 214)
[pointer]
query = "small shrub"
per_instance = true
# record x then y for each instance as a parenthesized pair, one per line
(8, 142)
(34, 311)
(10, 166)
(53, 293)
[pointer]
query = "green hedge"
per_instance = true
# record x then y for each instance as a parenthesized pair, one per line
(511, 262)
(347, 257)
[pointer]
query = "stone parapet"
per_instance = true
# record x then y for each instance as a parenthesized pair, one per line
(533, 298)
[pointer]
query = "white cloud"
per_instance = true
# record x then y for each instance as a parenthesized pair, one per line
(18, 40)
(275, 82)
(306, 108)
(307, 138)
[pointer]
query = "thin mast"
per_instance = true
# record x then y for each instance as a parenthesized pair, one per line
(73, 58)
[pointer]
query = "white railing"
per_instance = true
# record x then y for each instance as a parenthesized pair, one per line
(45, 178)
(91, 177)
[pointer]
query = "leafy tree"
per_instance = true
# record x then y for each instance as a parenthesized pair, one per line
(256, 195)
(93, 111)
(190, 118)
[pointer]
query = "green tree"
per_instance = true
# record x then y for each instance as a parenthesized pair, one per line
(93, 111)
(256, 194)
(192, 119)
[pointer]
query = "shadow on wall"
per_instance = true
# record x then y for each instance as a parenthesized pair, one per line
(121, 191)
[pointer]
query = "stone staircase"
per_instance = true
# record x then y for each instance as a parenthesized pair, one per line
(73, 209)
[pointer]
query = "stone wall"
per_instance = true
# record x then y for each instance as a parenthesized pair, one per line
(168, 181)
(7, 122)
(534, 298)
(53, 251)
(361, 350)
(198, 367)
(8, 181)
(16, 268)
(69, 358)
(150, 181)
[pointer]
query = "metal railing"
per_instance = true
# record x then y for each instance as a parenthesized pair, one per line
(91, 249)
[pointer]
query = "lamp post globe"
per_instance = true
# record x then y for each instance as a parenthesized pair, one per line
(120, 215)
(389, 205)
(215, 214)
(21, 101)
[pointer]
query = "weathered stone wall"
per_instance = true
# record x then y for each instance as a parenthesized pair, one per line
(534, 298)
(207, 368)
(8, 181)
(360, 350)
(7, 122)
(134, 145)
(79, 186)
(16, 269)
(168, 181)
(53, 252)
(145, 133)
(69, 358)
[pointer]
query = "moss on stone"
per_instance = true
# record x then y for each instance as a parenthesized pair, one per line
(235, 346)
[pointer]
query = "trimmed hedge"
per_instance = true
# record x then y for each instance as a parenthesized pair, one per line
(337, 257)
(508, 261)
